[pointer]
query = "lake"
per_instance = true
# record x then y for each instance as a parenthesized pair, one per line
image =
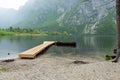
(87, 45)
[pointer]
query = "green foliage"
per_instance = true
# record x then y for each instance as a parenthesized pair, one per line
(107, 58)
(3, 33)
(14, 31)
(54, 33)
(106, 25)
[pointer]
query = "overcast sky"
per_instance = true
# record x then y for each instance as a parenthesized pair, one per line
(15, 4)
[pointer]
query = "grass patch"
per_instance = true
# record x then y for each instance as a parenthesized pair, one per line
(4, 69)
(3, 33)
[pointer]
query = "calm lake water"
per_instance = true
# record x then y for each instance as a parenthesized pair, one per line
(89, 45)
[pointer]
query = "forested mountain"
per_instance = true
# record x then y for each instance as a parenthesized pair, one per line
(71, 16)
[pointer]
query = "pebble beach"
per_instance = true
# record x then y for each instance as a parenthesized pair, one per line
(47, 67)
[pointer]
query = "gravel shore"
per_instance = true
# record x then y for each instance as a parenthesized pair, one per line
(58, 68)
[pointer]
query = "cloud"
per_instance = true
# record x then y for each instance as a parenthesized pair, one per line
(15, 4)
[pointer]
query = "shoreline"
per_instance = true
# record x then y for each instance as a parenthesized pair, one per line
(46, 67)
(30, 34)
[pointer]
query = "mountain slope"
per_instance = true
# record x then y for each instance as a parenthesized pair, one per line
(72, 16)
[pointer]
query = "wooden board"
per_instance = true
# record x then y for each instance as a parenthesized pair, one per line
(31, 53)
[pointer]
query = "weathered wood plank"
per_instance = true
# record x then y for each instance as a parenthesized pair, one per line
(31, 53)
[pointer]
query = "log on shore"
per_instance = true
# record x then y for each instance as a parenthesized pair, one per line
(66, 44)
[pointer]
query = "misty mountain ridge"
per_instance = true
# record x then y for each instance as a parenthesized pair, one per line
(71, 16)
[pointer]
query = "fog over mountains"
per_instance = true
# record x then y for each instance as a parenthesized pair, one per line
(72, 16)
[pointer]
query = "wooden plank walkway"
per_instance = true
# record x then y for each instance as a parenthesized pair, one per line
(31, 53)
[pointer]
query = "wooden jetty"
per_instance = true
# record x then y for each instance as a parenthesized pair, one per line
(33, 52)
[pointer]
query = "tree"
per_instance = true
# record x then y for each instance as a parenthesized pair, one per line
(11, 28)
(118, 30)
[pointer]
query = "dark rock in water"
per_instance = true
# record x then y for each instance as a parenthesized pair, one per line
(8, 60)
(79, 62)
(8, 53)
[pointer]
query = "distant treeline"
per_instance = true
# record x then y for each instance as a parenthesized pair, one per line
(14, 31)
(21, 30)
